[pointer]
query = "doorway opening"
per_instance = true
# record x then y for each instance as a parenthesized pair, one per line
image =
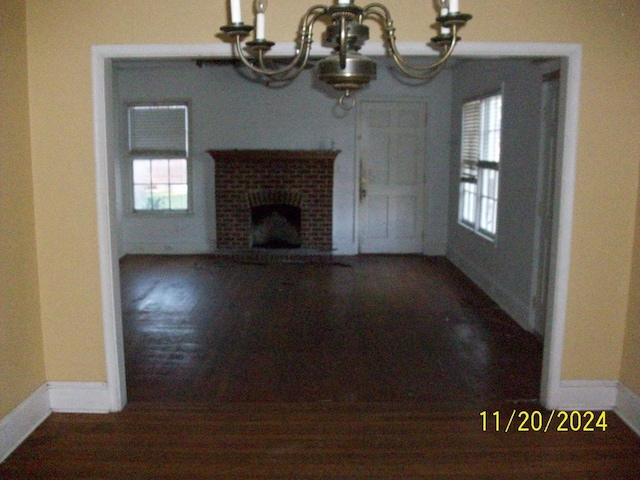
(105, 131)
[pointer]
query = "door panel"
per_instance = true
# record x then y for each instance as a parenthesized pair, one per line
(406, 213)
(378, 225)
(377, 166)
(391, 149)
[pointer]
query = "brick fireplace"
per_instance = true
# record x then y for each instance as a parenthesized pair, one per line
(252, 182)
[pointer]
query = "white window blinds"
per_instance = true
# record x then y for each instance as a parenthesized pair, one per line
(481, 125)
(470, 141)
(158, 130)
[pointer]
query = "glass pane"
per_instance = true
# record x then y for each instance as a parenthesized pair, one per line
(488, 215)
(161, 197)
(468, 202)
(472, 199)
(179, 197)
(492, 146)
(142, 197)
(493, 192)
(160, 171)
(489, 180)
(178, 171)
(141, 171)
(495, 112)
(491, 126)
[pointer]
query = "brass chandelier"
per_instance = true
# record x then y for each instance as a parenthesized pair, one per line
(345, 69)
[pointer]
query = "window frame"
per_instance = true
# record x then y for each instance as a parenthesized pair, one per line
(133, 154)
(470, 199)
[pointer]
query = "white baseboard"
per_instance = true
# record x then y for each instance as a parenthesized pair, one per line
(516, 308)
(166, 249)
(23, 420)
(79, 397)
(346, 248)
(584, 395)
(628, 407)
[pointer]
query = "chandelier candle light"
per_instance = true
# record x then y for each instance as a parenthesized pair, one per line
(345, 69)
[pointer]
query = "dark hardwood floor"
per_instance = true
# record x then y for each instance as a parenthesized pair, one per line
(365, 329)
(188, 441)
(356, 368)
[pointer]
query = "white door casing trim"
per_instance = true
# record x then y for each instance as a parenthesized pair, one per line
(102, 55)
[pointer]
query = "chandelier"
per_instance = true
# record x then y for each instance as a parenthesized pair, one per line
(345, 69)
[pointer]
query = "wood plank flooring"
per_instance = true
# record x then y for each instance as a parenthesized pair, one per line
(315, 441)
(357, 329)
(358, 368)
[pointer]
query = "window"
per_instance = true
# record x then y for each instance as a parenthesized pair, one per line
(158, 149)
(480, 162)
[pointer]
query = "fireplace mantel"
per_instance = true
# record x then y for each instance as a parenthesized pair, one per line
(252, 155)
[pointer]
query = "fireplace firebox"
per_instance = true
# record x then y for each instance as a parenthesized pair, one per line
(274, 199)
(275, 226)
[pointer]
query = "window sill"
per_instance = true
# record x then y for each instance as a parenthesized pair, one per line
(160, 214)
(479, 233)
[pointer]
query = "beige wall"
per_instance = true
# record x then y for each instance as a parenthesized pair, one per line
(21, 359)
(61, 33)
(631, 360)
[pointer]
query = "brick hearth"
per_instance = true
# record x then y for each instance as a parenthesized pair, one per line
(242, 176)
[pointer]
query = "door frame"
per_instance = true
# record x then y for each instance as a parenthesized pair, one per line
(545, 204)
(553, 393)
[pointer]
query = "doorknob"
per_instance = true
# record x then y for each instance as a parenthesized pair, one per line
(363, 188)
(363, 181)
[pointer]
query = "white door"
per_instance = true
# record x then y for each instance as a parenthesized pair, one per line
(391, 151)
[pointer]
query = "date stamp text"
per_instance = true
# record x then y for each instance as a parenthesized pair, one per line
(537, 421)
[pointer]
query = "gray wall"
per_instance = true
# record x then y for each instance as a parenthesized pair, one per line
(502, 268)
(229, 112)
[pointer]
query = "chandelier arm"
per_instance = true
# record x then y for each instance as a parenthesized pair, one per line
(415, 71)
(301, 58)
(424, 74)
(262, 69)
(244, 59)
(290, 74)
(381, 14)
(303, 51)
(313, 14)
(372, 8)
(403, 63)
